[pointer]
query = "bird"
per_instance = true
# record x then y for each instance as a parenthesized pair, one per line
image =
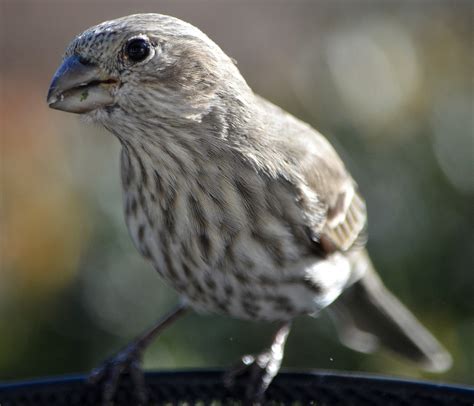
(242, 208)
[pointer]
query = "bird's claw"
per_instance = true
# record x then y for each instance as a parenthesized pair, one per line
(107, 375)
(256, 372)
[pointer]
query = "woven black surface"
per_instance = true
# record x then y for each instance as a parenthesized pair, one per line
(206, 388)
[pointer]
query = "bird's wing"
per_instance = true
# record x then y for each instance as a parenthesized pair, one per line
(336, 213)
(323, 173)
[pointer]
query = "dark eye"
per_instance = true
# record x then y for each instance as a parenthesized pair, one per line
(137, 49)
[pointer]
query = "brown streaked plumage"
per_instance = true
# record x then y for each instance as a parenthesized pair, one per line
(242, 208)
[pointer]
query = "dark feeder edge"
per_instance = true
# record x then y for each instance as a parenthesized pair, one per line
(321, 387)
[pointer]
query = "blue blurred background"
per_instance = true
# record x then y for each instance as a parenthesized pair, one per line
(388, 82)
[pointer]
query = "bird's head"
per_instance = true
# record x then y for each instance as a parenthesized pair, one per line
(144, 65)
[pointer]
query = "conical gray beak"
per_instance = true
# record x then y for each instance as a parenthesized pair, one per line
(79, 87)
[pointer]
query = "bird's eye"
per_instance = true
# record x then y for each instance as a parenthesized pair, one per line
(137, 49)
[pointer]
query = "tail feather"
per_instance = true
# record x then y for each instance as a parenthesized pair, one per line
(368, 315)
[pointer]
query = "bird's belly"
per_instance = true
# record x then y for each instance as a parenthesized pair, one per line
(235, 251)
(251, 286)
(251, 298)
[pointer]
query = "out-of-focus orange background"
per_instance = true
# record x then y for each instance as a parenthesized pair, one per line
(390, 84)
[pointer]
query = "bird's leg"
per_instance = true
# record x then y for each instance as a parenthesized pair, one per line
(259, 370)
(128, 361)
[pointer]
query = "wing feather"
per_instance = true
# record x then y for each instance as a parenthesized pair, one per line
(321, 178)
(346, 217)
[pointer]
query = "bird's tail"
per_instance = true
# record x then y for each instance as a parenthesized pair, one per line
(368, 315)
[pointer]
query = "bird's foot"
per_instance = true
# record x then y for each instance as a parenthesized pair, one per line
(256, 372)
(108, 375)
(127, 362)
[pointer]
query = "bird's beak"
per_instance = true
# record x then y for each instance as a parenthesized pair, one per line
(79, 87)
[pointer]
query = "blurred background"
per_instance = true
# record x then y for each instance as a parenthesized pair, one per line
(388, 82)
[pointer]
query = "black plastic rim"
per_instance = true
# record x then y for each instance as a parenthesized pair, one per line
(205, 387)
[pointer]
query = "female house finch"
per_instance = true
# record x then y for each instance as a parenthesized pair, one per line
(242, 208)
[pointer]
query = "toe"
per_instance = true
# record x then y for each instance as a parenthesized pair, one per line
(138, 380)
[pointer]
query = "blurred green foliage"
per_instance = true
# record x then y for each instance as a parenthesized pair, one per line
(390, 83)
